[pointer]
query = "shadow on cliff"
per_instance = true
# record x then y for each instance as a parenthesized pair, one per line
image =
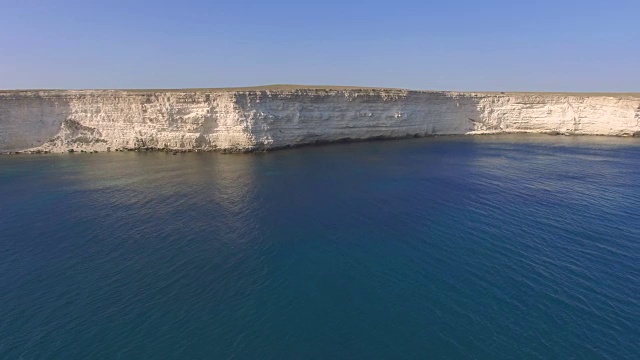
(30, 120)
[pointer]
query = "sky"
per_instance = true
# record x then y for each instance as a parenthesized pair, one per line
(493, 45)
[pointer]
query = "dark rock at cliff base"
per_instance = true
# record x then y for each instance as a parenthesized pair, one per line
(636, 134)
(70, 150)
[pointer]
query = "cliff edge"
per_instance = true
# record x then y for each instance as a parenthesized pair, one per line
(246, 119)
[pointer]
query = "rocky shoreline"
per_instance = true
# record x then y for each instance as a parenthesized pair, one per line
(285, 147)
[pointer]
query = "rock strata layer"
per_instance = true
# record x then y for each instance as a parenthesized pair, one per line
(263, 118)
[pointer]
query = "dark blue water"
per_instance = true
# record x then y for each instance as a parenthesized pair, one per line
(450, 248)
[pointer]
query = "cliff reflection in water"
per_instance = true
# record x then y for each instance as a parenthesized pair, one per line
(202, 188)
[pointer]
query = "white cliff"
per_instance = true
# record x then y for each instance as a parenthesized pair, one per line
(265, 118)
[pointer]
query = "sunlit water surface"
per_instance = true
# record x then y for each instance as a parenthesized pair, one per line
(513, 247)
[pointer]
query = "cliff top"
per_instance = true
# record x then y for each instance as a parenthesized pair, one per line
(292, 87)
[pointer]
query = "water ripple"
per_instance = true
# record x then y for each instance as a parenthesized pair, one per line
(491, 247)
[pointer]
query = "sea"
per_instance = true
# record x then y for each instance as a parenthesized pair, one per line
(487, 247)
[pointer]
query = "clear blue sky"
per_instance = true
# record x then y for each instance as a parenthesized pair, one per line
(441, 45)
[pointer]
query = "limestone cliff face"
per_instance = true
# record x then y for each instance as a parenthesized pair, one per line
(262, 119)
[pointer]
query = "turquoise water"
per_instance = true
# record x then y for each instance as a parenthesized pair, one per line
(524, 247)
